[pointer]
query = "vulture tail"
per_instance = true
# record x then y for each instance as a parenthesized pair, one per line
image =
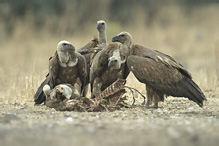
(40, 97)
(193, 92)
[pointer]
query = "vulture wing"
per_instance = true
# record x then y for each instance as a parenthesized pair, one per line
(88, 47)
(164, 75)
(126, 71)
(87, 51)
(40, 97)
(82, 69)
(53, 70)
(100, 63)
(169, 60)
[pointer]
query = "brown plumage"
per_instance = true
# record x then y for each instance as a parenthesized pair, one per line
(92, 48)
(162, 75)
(60, 93)
(65, 67)
(88, 51)
(108, 65)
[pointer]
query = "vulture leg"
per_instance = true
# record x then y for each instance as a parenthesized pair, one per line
(85, 91)
(96, 88)
(153, 96)
(149, 96)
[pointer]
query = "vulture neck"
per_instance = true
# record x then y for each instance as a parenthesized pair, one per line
(67, 60)
(126, 50)
(102, 37)
(63, 57)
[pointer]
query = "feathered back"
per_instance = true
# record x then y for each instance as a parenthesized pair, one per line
(156, 55)
(89, 46)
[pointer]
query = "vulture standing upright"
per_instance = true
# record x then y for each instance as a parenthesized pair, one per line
(92, 48)
(65, 67)
(108, 65)
(162, 75)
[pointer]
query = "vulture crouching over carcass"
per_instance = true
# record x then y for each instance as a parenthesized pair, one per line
(108, 65)
(162, 75)
(65, 67)
(60, 94)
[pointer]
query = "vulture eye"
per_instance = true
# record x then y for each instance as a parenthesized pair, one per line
(64, 44)
(102, 23)
(122, 35)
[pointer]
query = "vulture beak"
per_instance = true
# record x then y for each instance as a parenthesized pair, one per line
(112, 63)
(99, 26)
(70, 47)
(115, 39)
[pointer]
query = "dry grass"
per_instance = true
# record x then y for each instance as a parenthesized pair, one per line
(192, 40)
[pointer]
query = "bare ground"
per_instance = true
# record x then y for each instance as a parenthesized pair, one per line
(178, 121)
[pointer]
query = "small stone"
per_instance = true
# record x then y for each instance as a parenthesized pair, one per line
(69, 120)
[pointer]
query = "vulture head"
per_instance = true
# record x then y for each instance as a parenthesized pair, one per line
(115, 61)
(64, 49)
(101, 26)
(125, 39)
(47, 91)
(62, 89)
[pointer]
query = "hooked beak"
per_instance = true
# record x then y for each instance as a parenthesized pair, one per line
(112, 63)
(115, 39)
(99, 27)
(70, 47)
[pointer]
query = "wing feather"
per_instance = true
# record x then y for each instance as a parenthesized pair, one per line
(82, 68)
(163, 78)
(100, 63)
(156, 56)
(53, 70)
(40, 97)
(88, 47)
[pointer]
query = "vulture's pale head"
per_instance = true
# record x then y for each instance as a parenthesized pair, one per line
(50, 93)
(63, 49)
(101, 26)
(47, 90)
(65, 46)
(65, 90)
(124, 38)
(115, 61)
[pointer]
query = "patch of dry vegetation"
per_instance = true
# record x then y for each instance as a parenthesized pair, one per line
(190, 39)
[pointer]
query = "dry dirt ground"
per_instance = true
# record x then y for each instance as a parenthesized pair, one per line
(178, 121)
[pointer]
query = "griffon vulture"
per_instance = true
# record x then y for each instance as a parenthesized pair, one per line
(61, 92)
(65, 67)
(108, 65)
(162, 75)
(88, 51)
(92, 48)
